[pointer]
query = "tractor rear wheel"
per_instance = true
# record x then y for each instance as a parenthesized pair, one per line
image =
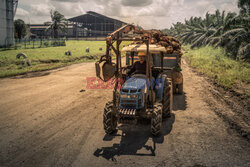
(109, 118)
(156, 120)
(167, 100)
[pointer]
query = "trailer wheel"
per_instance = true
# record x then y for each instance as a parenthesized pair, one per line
(178, 83)
(167, 100)
(109, 119)
(180, 88)
(156, 120)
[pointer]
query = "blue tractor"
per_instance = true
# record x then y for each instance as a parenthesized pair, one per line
(139, 96)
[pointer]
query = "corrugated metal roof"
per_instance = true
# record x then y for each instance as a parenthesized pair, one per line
(94, 14)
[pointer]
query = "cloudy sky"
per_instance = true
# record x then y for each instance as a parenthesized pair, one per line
(157, 14)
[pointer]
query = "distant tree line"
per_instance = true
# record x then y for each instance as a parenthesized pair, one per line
(221, 29)
(20, 29)
(58, 23)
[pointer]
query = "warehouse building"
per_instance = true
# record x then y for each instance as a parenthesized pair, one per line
(90, 24)
(94, 24)
(7, 12)
(42, 30)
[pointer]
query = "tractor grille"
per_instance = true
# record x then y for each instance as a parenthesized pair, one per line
(130, 90)
(125, 90)
(133, 91)
(128, 101)
(139, 103)
(128, 105)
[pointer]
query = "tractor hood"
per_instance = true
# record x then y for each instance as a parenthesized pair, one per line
(135, 83)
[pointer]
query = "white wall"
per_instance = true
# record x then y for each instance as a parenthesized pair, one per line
(6, 23)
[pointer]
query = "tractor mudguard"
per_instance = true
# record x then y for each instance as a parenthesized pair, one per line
(159, 86)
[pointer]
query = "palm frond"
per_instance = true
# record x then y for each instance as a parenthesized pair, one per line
(232, 32)
(199, 42)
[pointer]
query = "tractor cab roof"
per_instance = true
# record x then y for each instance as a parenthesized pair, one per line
(143, 48)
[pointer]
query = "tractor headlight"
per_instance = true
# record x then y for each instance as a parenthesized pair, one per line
(124, 96)
(133, 96)
(128, 96)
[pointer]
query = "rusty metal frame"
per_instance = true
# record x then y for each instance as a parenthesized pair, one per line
(116, 36)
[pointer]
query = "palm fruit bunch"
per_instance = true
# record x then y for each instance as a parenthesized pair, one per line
(171, 44)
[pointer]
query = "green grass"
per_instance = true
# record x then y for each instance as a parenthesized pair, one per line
(215, 64)
(50, 58)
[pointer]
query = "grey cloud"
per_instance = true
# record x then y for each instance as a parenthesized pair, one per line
(41, 9)
(67, 0)
(136, 3)
(113, 8)
(21, 12)
(147, 13)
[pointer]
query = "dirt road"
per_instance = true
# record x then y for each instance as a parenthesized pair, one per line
(51, 119)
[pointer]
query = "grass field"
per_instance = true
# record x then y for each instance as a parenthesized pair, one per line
(213, 62)
(49, 58)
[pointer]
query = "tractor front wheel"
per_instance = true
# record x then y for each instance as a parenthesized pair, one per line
(156, 120)
(109, 118)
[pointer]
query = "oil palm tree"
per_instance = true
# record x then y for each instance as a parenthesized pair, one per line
(237, 35)
(58, 23)
(197, 30)
(220, 29)
(216, 39)
(244, 6)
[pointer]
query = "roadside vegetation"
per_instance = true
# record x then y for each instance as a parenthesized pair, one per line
(217, 66)
(218, 45)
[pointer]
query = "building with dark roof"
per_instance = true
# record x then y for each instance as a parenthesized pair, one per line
(95, 24)
(91, 24)
(41, 30)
